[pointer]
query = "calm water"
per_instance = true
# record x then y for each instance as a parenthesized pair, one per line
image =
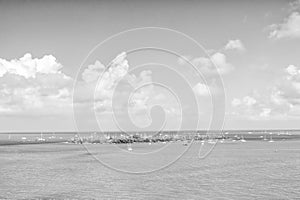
(251, 170)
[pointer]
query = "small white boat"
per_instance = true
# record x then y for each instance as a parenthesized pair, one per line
(271, 139)
(129, 148)
(242, 139)
(265, 138)
(41, 139)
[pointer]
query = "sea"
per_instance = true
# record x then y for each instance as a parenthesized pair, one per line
(254, 169)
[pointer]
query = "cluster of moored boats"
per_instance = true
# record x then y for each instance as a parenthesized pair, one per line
(160, 138)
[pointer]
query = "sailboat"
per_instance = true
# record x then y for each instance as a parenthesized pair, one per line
(242, 139)
(129, 148)
(265, 137)
(41, 139)
(271, 139)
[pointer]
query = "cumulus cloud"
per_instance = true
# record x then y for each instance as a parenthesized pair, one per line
(235, 45)
(33, 86)
(282, 100)
(201, 89)
(221, 63)
(98, 85)
(128, 96)
(250, 107)
(117, 87)
(290, 86)
(292, 71)
(109, 89)
(29, 67)
(290, 28)
(116, 72)
(143, 90)
(247, 101)
(236, 102)
(272, 105)
(217, 63)
(93, 72)
(265, 112)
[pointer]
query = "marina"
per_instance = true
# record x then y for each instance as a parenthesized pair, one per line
(147, 137)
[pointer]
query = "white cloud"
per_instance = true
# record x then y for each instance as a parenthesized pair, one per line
(29, 67)
(265, 112)
(33, 86)
(110, 78)
(2, 70)
(283, 100)
(108, 90)
(290, 85)
(235, 45)
(290, 28)
(249, 101)
(292, 71)
(116, 84)
(250, 107)
(98, 86)
(93, 72)
(201, 89)
(236, 102)
(217, 63)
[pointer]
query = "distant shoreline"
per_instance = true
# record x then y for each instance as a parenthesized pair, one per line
(157, 139)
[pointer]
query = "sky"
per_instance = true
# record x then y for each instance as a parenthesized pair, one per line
(83, 65)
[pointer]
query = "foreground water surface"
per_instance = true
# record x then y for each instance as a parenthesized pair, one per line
(249, 170)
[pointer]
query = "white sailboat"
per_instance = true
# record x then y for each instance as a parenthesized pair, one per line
(129, 148)
(41, 139)
(242, 139)
(271, 138)
(265, 138)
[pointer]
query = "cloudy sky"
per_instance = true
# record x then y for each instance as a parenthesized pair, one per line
(253, 46)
